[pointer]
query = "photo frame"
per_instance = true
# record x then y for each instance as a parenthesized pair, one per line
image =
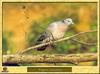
(23, 23)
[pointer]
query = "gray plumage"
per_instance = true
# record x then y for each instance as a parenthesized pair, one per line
(55, 30)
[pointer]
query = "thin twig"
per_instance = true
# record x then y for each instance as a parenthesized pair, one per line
(81, 42)
(59, 40)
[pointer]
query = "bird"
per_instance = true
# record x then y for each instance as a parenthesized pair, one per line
(56, 30)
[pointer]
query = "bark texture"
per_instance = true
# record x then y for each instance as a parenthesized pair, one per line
(50, 58)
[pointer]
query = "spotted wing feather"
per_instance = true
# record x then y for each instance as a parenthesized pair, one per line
(40, 40)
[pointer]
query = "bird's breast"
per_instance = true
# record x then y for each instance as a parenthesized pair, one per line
(58, 29)
(58, 34)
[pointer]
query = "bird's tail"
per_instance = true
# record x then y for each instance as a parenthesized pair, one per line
(42, 47)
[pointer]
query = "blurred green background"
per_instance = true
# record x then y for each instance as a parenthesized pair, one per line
(23, 23)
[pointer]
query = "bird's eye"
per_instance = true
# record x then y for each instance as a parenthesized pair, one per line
(68, 21)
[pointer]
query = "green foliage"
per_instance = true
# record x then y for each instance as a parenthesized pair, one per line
(8, 44)
(5, 45)
(93, 49)
(94, 26)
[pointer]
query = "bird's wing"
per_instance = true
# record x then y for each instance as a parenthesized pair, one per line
(43, 37)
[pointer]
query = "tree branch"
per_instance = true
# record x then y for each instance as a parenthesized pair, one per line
(50, 58)
(51, 42)
(81, 42)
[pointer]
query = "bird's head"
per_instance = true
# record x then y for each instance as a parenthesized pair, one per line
(68, 21)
